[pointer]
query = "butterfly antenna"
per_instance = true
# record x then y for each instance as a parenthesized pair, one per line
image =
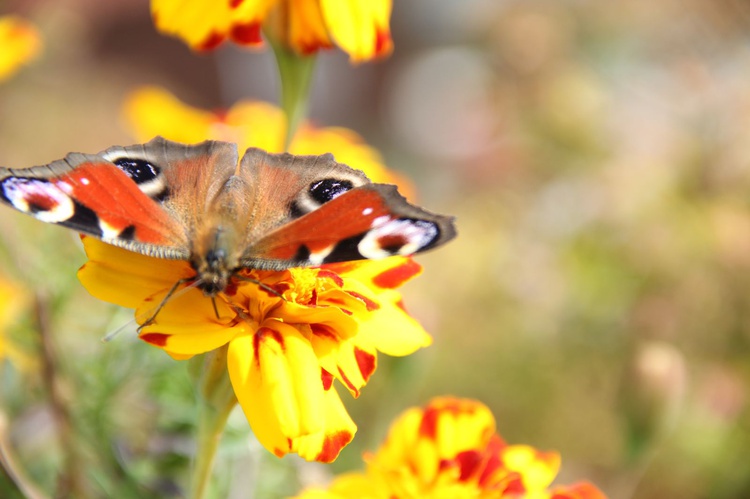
(111, 335)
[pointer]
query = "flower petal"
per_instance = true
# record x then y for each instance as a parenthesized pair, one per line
(20, 42)
(153, 111)
(276, 377)
(388, 273)
(387, 328)
(306, 32)
(349, 148)
(537, 469)
(339, 430)
(205, 24)
(359, 27)
(137, 276)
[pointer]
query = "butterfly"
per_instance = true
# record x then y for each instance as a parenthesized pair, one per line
(203, 204)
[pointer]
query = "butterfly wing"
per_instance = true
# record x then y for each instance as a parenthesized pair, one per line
(325, 212)
(134, 197)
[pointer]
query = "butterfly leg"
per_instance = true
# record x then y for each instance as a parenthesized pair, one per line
(170, 294)
(261, 285)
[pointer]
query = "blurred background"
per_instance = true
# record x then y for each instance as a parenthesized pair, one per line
(597, 157)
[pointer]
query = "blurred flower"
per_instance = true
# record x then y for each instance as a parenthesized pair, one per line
(20, 42)
(358, 27)
(12, 300)
(450, 449)
(152, 111)
(288, 338)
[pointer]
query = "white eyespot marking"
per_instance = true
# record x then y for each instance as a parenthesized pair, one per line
(153, 188)
(382, 220)
(367, 211)
(39, 198)
(65, 187)
(108, 231)
(397, 237)
(319, 257)
(85, 181)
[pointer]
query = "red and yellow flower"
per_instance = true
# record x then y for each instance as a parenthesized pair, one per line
(450, 449)
(358, 27)
(20, 43)
(290, 335)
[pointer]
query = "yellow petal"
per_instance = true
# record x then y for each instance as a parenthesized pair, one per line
(325, 445)
(187, 323)
(306, 30)
(388, 273)
(359, 27)
(537, 469)
(277, 381)
(153, 111)
(253, 124)
(205, 24)
(20, 43)
(124, 277)
(389, 329)
(348, 148)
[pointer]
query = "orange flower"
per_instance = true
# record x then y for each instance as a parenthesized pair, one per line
(154, 111)
(19, 43)
(359, 27)
(290, 335)
(450, 449)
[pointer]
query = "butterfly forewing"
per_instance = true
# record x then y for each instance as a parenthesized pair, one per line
(93, 196)
(281, 187)
(369, 222)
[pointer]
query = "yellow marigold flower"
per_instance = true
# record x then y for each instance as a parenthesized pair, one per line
(449, 449)
(359, 27)
(20, 42)
(288, 337)
(154, 111)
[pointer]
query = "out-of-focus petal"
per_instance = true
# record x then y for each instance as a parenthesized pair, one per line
(360, 27)
(20, 43)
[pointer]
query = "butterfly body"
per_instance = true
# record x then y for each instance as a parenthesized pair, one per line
(203, 204)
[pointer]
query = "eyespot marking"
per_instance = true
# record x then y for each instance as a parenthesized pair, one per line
(128, 233)
(319, 257)
(327, 189)
(147, 175)
(39, 198)
(403, 236)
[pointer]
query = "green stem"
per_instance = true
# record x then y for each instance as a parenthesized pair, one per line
(295, 73)
(216, 401)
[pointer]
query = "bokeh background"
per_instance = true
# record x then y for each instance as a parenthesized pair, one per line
(597, 157)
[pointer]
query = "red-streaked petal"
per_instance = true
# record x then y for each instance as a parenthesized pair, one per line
(359, 27)
(276, 377)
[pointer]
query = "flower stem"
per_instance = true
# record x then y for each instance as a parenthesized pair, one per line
(295, 73)
(216, 400)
